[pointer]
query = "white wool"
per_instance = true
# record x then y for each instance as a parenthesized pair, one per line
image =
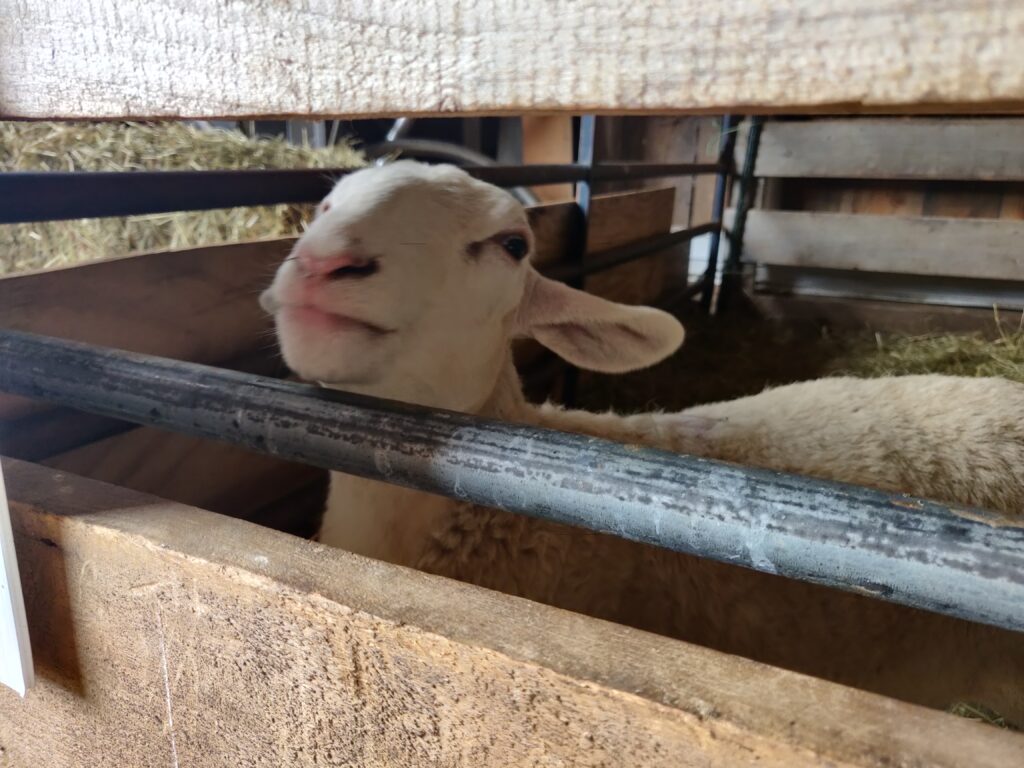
(451, 299)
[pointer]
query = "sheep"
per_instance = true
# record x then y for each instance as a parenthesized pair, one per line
(949, 438)
(411, 284)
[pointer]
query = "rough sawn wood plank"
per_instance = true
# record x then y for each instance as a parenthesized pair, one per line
(181, 58)
(165, 635)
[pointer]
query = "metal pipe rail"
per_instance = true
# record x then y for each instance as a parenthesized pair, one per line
(904, 550)
(578, 244)
(57, 195)
(732, 271)
(726, 152)
(418, 149)
(623, 254)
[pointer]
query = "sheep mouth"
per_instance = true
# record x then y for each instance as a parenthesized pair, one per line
(312, 316)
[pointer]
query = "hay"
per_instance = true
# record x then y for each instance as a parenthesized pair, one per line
(982, 714)
(50, 146)
(955, 354)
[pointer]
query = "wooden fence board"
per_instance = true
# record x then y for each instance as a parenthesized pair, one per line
(203, 473)
(987, 249)
(197, 304)
(989, 149)
(180, 58)
(164, 635)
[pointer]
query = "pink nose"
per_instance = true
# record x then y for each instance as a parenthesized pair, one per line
(335, 266)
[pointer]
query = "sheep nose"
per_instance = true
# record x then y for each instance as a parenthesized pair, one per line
(345, 264)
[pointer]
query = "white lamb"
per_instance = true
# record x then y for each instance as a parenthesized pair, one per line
(411, 283)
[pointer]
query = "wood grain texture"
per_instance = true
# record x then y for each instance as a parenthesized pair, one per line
(214, 476)
(621, 218)
(198, 304)
(989, 149)
(938, 247)
(884, 202)
(169, 636)
(708, 141)
(616, 218)
(652, 139)
(178, 58)
(548, 139)
(882, 198)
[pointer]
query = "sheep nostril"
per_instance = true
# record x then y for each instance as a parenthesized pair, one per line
(339, 266)
(363, 269)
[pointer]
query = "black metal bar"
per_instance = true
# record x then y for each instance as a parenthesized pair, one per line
(727, 148)
(671, 302)
(585, 159)
(444, 152)
(613, 257)
(56, 195)
(581, 231)
(732, 270)
(53, 196)
(584, 195)
(904, 550)
(637, 171)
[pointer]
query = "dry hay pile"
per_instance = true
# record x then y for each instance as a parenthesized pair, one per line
(45, 146)
(956, 354)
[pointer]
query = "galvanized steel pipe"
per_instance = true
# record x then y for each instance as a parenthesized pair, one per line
(958, 562)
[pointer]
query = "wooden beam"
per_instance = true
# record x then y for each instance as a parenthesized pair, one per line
(990, 149)
(211, 475)
(197, 304)
(936, 247)
(164, 635)
(179, 58)
(548, 139)
(625, 217)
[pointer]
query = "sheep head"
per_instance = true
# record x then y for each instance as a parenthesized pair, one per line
(412, 280)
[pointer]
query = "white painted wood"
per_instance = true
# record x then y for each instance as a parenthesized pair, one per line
(941, 247)
(985, 149)
(16, 670)
(182, 58)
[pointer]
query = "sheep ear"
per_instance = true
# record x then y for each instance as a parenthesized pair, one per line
(593, 333)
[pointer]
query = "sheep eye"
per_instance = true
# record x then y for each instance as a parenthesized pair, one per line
(516, 247)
